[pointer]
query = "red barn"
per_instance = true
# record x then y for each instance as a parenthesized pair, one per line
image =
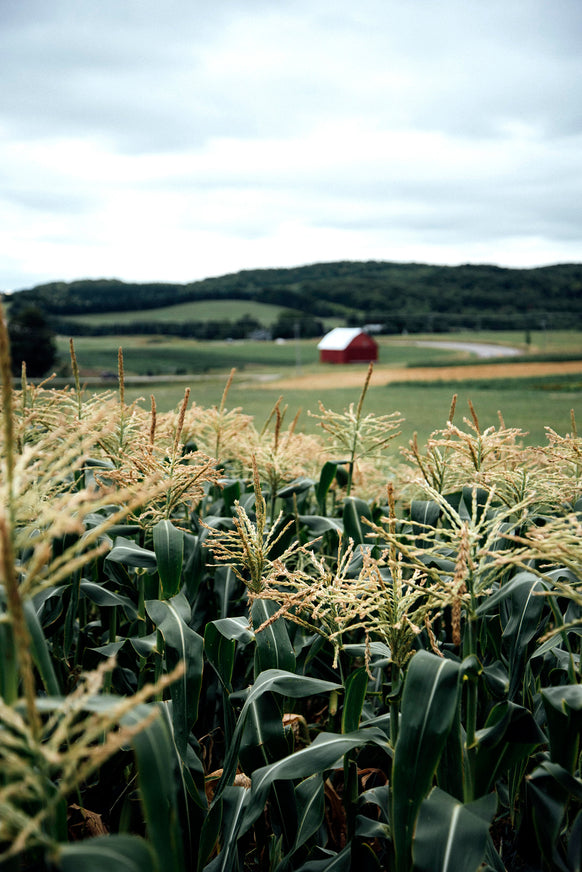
(347, 345)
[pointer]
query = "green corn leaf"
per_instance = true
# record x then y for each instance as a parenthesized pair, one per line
(366, 828)
(181, 644)
(341, 862)
(549, 789)
(274, 649)
(356, 686)
(326, 477)
(297, 486)
(226, 586)
(310, 805)
(220, 651)
(209, 834)
(263, 738)
(450, 836)
(324, 753)
(318, 524)
(276, 681)
(104, 854)
(159, 781)
(508, 589)
(354, 510)
(231, 491)
(423, 514)
(575, 842)
(103, 597)
(142, 645)
(130, 554)
(310, 797)
(169, 551)
(525, 608)
(234, 803)
(428, 708)
(235, 628)
(40, 650)
(563, 708)
(507, 724)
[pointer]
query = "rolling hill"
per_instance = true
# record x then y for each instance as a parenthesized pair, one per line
(402, 296)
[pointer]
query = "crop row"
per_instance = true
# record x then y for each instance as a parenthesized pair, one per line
(228, 647)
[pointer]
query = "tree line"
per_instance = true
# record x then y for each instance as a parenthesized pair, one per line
(402, 295)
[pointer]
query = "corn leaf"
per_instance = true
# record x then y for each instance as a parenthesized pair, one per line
(341, 862)
(356, 686)
(310, 804)
(40, 651)
(104, 854)
(450, 836)
(234, 803)
(563, 708)
(169, 551)
(220, 651)
(130, 554)
(524, 608)
(324, 753)
(510, 735)
(276, 681)
(263, 739)
(428, 708)
(158, 770)
(274, 649)
(326, 477)
(181, 644)
(423, 514)
(353, 512)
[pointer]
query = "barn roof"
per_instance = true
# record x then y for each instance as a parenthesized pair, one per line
(339, 338)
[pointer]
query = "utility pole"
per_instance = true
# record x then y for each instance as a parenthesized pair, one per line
(297, 332)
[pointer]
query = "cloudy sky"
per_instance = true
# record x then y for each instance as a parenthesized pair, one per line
(179, 139)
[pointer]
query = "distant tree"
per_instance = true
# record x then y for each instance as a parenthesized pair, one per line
(31, 340)
(289, 324)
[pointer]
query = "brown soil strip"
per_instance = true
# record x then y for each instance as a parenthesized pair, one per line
(348, 376)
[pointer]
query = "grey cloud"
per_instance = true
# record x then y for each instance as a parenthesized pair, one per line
(246, 118)
(152, 76)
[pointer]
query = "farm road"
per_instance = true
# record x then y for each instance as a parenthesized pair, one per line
(479, 349)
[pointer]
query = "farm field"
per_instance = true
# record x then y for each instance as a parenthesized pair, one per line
(203, 310)
(423, 407)
(290, 653)
(416, 381)
(160, 354)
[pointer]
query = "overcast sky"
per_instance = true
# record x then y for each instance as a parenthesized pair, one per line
(178, 139)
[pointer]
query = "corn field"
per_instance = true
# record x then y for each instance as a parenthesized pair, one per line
(237, 647)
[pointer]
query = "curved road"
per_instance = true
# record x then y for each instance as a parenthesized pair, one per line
(479, 349)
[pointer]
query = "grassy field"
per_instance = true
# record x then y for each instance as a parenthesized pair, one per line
(530, 404)
(158, 355)
(423, 407)
(204, 310)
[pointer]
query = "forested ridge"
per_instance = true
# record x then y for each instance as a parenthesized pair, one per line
(438, 297)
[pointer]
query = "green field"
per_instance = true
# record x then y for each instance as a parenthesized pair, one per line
(159, 355)
(203, 310)
(162, 355)
(529, 404)
(424, 408)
